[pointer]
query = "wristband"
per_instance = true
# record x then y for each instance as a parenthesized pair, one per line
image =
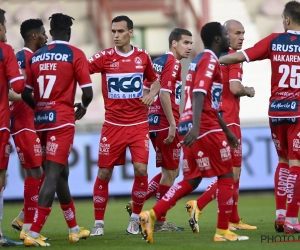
(83, 106)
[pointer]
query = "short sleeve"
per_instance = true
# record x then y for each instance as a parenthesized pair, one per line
(96, 63)
(260, 51)
(149, 73)
(81, 68)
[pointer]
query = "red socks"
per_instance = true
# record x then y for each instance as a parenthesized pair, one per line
(69, 214)
(293, 192)
(175, 193)
(207, 196)
(161, 191)
(225, 201)
(31, 191)
(139, 191)
(234, 218)
(280, 183)
(153, 186)
(40, 217)
(100, 197)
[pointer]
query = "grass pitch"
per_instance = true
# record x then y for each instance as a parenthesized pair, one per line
(256, 209)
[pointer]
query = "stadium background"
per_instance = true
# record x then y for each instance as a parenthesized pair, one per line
(153, 21)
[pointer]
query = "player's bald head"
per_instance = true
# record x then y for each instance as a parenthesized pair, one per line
(233, 24)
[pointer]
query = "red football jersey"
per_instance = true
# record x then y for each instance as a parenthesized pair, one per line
(52, 73)
(230, 104)
(21, 115)
(283, 51)
(9, 75)
(168, 71)
(205, 76)
(122, 84)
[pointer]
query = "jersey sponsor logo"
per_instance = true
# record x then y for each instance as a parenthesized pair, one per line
(184, 127)
(45, 117)
(138, 60)
(192, 66)
(178, 92)
(125, 86)
(280, 121)
(157, 67)
(216, 94)
(51, 57)
(285, 47)
(114, 65)
(153, 119)
(284, 105)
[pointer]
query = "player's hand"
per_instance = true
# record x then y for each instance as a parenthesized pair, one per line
(171, 135)
(250, 91)
(80, 111)
(148, 99)
(191, 137)
(232, 140)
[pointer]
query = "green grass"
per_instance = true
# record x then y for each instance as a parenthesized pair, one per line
(257, 209)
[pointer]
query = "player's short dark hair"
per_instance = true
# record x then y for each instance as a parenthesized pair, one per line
(292, 10)
(29, 26)
(60, 22)
(176, 35)
(123, 18)
(2, 17)
(209, 31)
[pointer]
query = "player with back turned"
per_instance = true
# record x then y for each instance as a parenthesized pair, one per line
(53, 73)
(284, 111)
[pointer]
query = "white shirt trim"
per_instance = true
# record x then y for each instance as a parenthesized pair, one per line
(58, 41)
(61, 126)
(24, 129)
(213, 53)
(166, 90)
(123, 54)
(125, 125)
(28, 86)
(4, 128)
(27, 49)
(144, 87)
(200, 90)
(235, 80)
(86, 85)
(233, 124)
(245, 54)
(16, 79)
(296, 32)
(210, 131)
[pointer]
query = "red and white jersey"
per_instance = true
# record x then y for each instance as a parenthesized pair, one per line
(52, 73)
(21, 115)
(230, 104)
(204, 76)
(168, 72)
(9, 75)
(122, 84)
(283, 51)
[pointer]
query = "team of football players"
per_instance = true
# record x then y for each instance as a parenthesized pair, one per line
(141, 103)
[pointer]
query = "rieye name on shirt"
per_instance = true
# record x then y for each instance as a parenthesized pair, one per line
(48, 66)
